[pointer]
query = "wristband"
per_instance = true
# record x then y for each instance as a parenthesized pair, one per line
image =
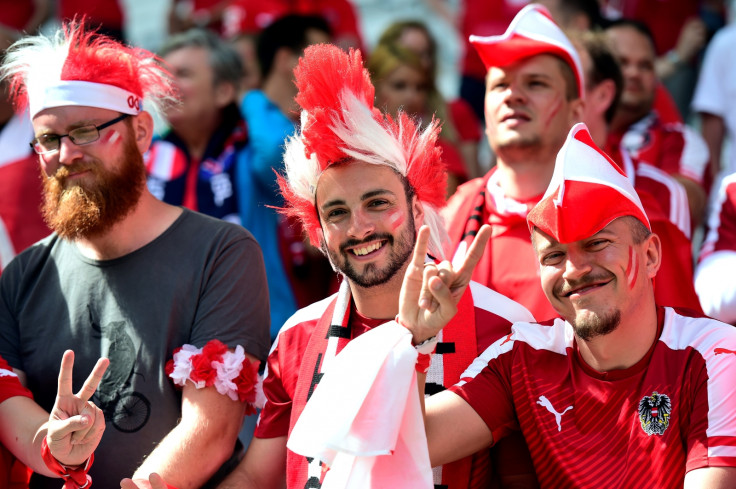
(73, 478)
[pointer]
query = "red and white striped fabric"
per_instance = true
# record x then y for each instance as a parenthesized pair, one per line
(714, 275)
(587, 191)
(532, 32)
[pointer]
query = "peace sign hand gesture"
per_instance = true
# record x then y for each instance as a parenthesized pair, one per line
(75, 425)
(430, 292)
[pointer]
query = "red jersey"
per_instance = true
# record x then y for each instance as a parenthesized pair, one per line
(493, 316)
(644, 427)
(671, 147)
(12, 473)
(713, 279)
(21, 223)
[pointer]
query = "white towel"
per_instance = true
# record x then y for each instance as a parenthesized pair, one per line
(364, 419)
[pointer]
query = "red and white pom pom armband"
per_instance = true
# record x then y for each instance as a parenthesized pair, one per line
(73, 478)
(230, 372)
(425, 349)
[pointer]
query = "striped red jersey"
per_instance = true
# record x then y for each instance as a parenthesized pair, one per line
(645, 426)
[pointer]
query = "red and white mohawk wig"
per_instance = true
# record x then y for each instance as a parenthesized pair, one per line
(532, 32)
(339, 123)
(78, 67)
(587, 192)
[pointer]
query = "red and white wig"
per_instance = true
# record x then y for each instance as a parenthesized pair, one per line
(78, 67)
(339, 123)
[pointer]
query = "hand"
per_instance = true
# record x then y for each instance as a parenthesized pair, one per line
(691, 40)
(430, 293)
(154, 482)
(75, 424)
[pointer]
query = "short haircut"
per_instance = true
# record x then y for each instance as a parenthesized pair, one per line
(639, 231)
(638, 26)
(224, 60)
(604, 65)
(571, 81)
(288, 32)
(589, 8)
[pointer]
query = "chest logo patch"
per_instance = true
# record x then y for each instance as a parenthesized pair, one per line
(543, 401)
(654, 413)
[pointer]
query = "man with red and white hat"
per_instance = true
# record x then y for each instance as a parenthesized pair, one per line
(360, 183)
(125, 275)
(621, 392)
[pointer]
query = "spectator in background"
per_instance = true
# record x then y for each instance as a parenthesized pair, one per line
(714, 275)
(460, 126)
(246, 46)
(715, 100)
(296, 276)
(21, 223)
(24, 15)
(193, 164)
(403, 83)
(106, 16)
(637, 128)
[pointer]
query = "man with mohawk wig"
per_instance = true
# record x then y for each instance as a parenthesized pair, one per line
(125, 275)
(361, 183)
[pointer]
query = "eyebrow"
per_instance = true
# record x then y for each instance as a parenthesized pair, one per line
(71, 127)
(368, 195)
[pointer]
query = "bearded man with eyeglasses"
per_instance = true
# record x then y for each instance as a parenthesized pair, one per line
(164, 292)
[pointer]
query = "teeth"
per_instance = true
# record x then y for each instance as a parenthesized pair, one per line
(367, 249)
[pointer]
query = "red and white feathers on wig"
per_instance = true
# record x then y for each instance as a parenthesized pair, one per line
(340, 123)
(78, 67)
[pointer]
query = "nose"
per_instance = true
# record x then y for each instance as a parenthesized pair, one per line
(360, 225)
(68, 151)
(577, 265)
(514, 93)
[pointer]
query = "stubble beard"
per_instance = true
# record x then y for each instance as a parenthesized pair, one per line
(83, 210)
(372, 276)
(593, 325)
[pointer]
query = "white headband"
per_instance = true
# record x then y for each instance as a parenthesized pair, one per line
(84, 93)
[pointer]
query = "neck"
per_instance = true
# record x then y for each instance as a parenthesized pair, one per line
(281, 92)
(196, 136)
(625, 118)
(148, 220)
(381, 301)
(525, 178)
(626, 345)
(598, 131)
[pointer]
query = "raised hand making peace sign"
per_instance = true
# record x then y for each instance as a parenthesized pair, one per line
(75, 425)
(430, 292)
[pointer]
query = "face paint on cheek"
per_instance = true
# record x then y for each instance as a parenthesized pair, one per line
(111, 137)
(632, 269)
(555, 109)
(395, 219)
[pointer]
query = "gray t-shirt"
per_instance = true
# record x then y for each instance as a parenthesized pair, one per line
(201, 279)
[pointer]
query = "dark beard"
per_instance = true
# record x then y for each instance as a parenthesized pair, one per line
(372, 275)
(87, 210)
(597, 326)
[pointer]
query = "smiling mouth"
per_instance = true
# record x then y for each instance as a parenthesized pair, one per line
(368, 249)
(585, 289)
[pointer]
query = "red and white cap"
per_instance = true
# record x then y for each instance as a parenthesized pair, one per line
(587, 192)
(532, 32)
(75, 67)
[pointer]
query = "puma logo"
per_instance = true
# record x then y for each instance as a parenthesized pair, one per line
(508, 338)
(543, 401)
(718, 351)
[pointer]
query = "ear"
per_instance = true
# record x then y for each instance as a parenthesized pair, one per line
(653, 254)
(601, 97)
(577, 111)
(225, 93)
(143, 131)
(417, 210)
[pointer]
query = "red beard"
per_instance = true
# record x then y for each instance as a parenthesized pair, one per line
(90, 209)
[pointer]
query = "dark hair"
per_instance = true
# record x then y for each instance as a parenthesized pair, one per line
(589, 8)
(639, 231)
(224, 60)
(571, 80)
(638, 26)
(604, 65)
(288, 32)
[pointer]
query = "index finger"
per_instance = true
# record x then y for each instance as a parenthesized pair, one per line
(65, 374)
(475, 252)
(90, 385)
(420, 248)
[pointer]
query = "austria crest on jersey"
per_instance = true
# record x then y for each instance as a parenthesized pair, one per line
(654, 413)
(587, 191)
(532, 32)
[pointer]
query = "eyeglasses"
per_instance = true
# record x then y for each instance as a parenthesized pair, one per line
(49, 143)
